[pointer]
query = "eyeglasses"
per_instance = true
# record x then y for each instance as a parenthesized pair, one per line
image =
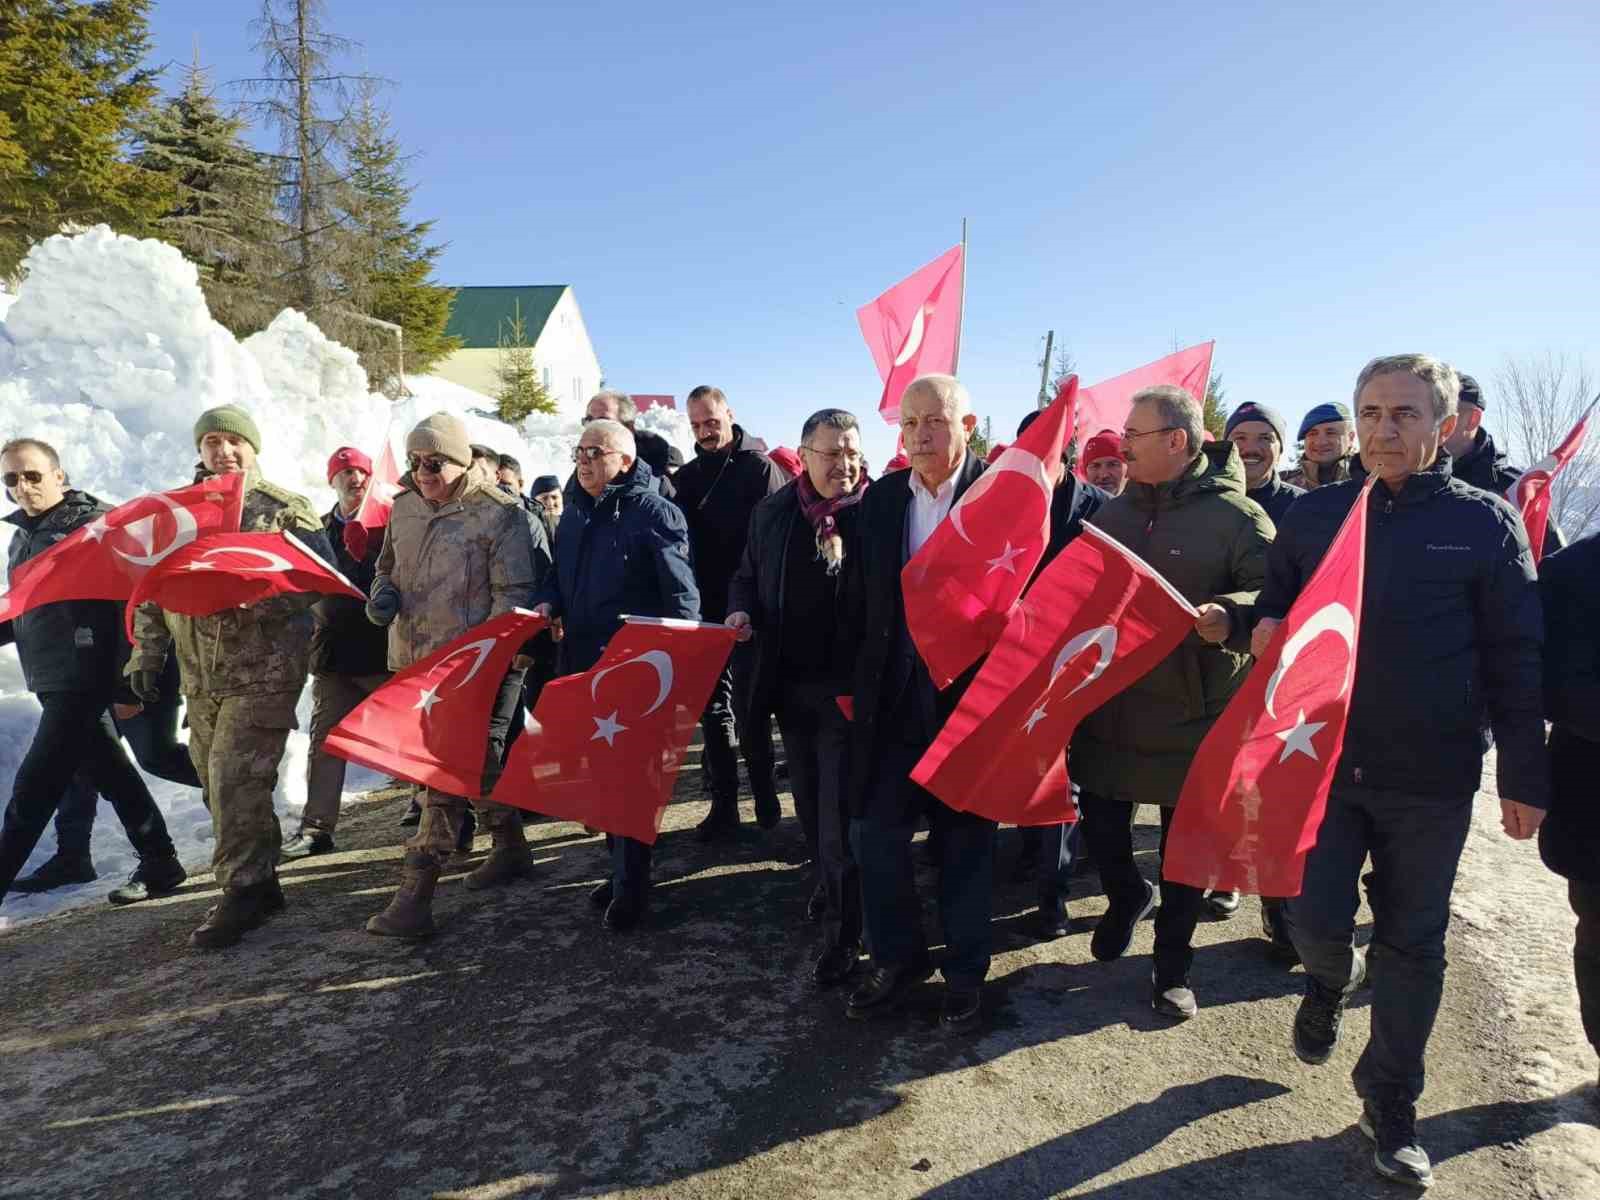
(591, 454)
(832, 456)
(11, 478)
(431, 465)
(1129, 435)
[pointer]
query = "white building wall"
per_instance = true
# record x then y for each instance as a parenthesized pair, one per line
(566, 358)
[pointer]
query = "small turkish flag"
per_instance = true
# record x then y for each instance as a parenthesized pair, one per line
(1255, 793)
(105, 559)
(232, 570)
(1106, 405)
(378, 504)
(604, 747)
(961, 586)
(915, 327)
(430, 722)
(1097, 619)
(1531, 493)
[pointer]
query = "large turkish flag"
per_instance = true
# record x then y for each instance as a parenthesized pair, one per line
(1531, 493)
(604, 747)
(1097, 619)
(105, 559)
(1106, 405)
(915, 327)
(1258, 786)
(961, 586)
(430, 722)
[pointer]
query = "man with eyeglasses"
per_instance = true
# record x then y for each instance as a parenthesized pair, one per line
(785, 599)
(623, 549)
(662, 457)
(242, 672)
(458, 552)
(1184, 511)
(731, 474)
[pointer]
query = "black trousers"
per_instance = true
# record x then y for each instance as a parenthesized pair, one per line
(726, 721)
(1108, 830)
(75, 732)
(816, 740)
(1585, 900)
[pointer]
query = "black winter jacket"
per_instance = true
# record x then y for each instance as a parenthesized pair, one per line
(1486, 466)
(717, 493)
(626, 553)
(344, 642)
(1451, 633)
(1275, 496)
(1569, 583)
(1073, 502)
(72, 645)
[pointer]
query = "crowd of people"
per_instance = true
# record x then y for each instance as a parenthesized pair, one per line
(1464, 642)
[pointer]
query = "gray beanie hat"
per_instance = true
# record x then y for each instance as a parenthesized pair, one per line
(443, 434)
(1257, 412)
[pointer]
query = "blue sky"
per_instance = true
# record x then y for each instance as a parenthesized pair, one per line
(724, 185)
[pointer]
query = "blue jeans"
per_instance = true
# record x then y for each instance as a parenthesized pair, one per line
(630, 866)
(1415, 843)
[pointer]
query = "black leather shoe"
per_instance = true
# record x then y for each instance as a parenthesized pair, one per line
(306, 844)
(716, 829)
(817, 905)
(1052, 921)
(835, 965)
(623, 913)
(883, 990)
(1114, 934)
(1222, 905)
(601, 896)
(768, 813)
(962, 1010)
(157, 877)
(413, 814)
(59, 870)
(1171, 998)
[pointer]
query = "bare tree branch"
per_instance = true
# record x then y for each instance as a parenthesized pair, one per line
(1539, 400)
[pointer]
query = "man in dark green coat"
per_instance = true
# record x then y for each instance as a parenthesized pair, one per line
(1184, 511)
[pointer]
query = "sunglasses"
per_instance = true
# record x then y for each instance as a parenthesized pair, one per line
(432, 465)
(12, 478)
(591, 453)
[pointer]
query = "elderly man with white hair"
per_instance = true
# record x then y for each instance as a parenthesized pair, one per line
(621, 548)
(898, 713)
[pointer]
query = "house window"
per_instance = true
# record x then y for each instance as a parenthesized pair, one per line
(547, 379)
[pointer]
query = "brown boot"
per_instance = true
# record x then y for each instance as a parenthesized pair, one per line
(410, 913)
(509, 856)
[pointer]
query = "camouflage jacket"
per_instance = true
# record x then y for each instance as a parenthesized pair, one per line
(1298, 477)
(263, 648)
(455, 565)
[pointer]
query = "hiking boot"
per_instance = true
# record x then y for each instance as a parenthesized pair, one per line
(59, 870)
(152, 877)
(509, 856)
(1391, 1124)
(239, 911)
(413, 814)
(1316, 1024)
(1171, 998)
(305, 844)
(410, 913)
(1114, 934)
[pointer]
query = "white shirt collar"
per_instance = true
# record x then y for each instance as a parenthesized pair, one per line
(918, 488)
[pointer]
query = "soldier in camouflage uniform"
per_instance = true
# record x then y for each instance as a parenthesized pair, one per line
(1328, 445)
(241, 672)
(458, 551)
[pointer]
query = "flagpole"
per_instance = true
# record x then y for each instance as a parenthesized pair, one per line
(955, 367)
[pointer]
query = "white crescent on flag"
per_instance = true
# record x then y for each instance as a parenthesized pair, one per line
(275, 562)
(659, 660)
(1019, 462)
(143, 531)
(1330, 618)
(1102, 637)
(913, 341)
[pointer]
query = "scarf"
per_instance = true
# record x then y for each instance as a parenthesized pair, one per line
(821, 513)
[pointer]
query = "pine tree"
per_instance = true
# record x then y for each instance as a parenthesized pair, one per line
(980, 441)
(390, 264)
(1215, 413)
(521, 392)
(71, 87)
(223, 215)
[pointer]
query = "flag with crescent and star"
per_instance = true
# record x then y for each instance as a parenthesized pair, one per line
(231, 570)
(1531, 493)
(915, 327)
(105, 559)
(604, 747)
(1258, 786)
(961, 587)
(1106, 405)
(1097, 619)
(430, 722)
(378, 503)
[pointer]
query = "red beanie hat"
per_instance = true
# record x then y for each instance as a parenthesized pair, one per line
(348, 456)
(1104, 444)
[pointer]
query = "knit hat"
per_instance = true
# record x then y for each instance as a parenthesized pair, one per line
(1471, 393)
(1321, 415)
(479, 450)
(1104, 444)
(346, 457)
(1251, 411)
(228, 418)
(545, 483)
(443, 434)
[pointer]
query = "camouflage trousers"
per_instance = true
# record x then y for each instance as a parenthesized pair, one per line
(236, 743)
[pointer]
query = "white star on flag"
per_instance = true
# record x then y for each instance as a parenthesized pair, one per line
(96, 529)
(1005, 559)
(200, 566)
(429, 697)
(1298, 739)
(607, 728)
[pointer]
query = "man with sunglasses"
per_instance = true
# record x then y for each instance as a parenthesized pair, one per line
(459, 551)
(242, 671)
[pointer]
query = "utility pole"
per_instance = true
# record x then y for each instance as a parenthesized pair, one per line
(1044, 370)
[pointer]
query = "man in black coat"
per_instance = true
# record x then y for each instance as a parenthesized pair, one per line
(787, 595)
(72, 653)
(1569, 839)
(717, 492)
(1449, 643)
(1478, 461)
(898, 713)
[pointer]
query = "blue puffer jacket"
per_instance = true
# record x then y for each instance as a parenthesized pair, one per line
(1451, 634)
(625, 554)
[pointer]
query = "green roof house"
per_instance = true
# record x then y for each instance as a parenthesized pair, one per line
(553, 326)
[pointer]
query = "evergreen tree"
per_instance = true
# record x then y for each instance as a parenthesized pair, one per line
(1215, 413)
(390, 263)
(520, 392)
(223, 215)
(71, 87)
(980, 441)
